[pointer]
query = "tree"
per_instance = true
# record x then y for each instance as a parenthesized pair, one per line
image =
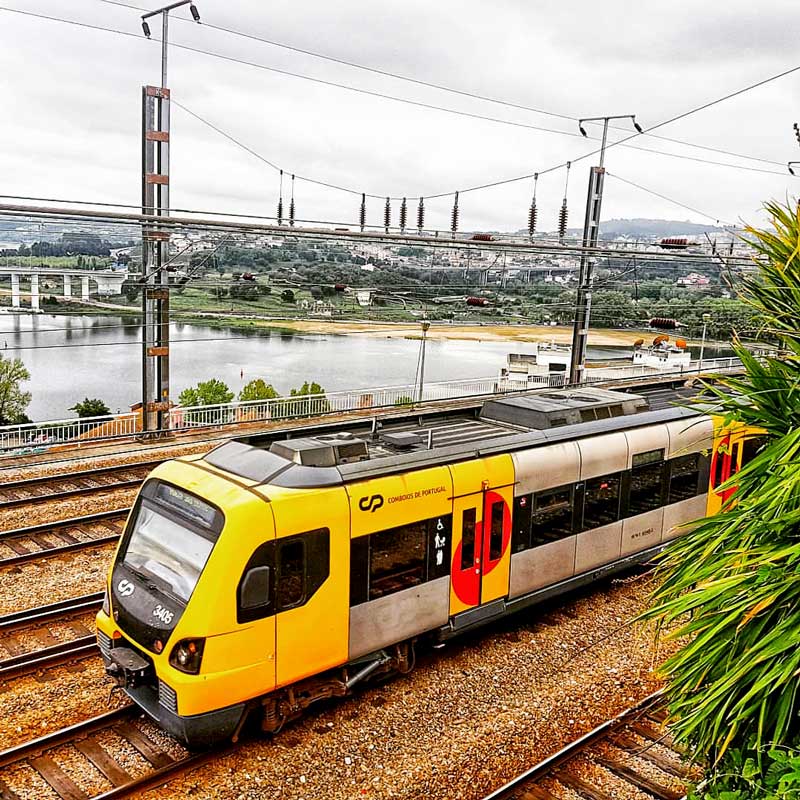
(258, 389)
(730, 586)
(13, 401)
(307, 388)
(206, 393)
(131, 289)
(91, 408)
(287, 296)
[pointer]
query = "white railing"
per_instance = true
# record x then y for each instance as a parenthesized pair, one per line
(72, 433)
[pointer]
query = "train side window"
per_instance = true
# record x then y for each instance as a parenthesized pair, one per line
(397, 559)
(646, 482)
(257, 576)
(468, 538)
(684, 477)
(496, 531)
(291, 573)
(359, 570)
(303, 565)
(601, 501)
(521, 524)
(551, 517)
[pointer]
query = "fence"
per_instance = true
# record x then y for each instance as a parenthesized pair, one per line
(72, 433)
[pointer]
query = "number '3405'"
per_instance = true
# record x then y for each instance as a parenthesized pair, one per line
(164, 614)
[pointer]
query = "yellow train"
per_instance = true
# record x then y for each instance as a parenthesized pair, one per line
(276, 571)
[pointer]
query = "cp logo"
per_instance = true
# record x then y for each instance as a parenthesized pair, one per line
(125, 588)
(371, 503)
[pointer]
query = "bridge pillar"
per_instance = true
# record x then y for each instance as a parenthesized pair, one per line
(14, 290)
(67, 286)
(85, 287)
(35, 291)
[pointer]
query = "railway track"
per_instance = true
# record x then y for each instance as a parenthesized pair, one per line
(34, 639)
(116, 754)
(631, 754)
(31, 491)
(20, 545)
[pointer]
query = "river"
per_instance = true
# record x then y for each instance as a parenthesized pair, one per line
(65, 369)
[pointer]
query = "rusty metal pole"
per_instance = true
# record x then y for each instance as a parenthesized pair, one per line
(591, 231)
(155, 239)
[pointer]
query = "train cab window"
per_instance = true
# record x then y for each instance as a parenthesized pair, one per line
(397, 559)
(496, 531)
(601, 501)
(684, 477)
(291, 573)
(646, 482)
(551, 516)
(521, 524)
(468, 538)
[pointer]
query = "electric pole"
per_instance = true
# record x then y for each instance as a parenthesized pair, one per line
(155, 240)
(591, 228)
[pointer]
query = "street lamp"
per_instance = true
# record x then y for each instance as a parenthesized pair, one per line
(165, 29)
(425, 326)
(706, 320)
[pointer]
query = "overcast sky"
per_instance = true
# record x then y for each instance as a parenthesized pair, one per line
(71, 100)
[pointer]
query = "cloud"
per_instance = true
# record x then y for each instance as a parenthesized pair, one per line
(72, 127)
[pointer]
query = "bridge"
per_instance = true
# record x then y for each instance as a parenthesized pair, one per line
(108, 281)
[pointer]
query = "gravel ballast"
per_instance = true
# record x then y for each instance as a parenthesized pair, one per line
(465, 722)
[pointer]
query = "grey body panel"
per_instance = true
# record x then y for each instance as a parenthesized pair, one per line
(398, 616)
(598, 546)
(540, 566)
(642, 531)
(546, 467)
(677, 514)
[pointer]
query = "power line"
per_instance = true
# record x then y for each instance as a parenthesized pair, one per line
(437, 86)
(663, 197)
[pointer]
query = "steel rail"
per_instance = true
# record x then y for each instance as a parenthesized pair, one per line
(553, 762)
(165, 766)
(47, 613)
(97, 472)
(35, 531)
(47, 657)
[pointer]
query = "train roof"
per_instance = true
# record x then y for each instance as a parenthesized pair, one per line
(331, 455)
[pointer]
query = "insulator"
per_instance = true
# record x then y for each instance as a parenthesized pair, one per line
(387, 215)
(533, 212)
(291, 205)
(454, 217)
(421, 214)
(280, 200)
(403, 216)
(362, 213)
(562, 221)
(664, 323)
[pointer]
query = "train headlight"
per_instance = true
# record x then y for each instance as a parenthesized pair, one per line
(187, 655)
(106, 607)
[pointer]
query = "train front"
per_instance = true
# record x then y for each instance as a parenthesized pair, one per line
(168, 629)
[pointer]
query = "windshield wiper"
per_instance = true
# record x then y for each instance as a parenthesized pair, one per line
(141, 576)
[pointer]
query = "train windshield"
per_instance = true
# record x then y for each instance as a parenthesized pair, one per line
(163, 550)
